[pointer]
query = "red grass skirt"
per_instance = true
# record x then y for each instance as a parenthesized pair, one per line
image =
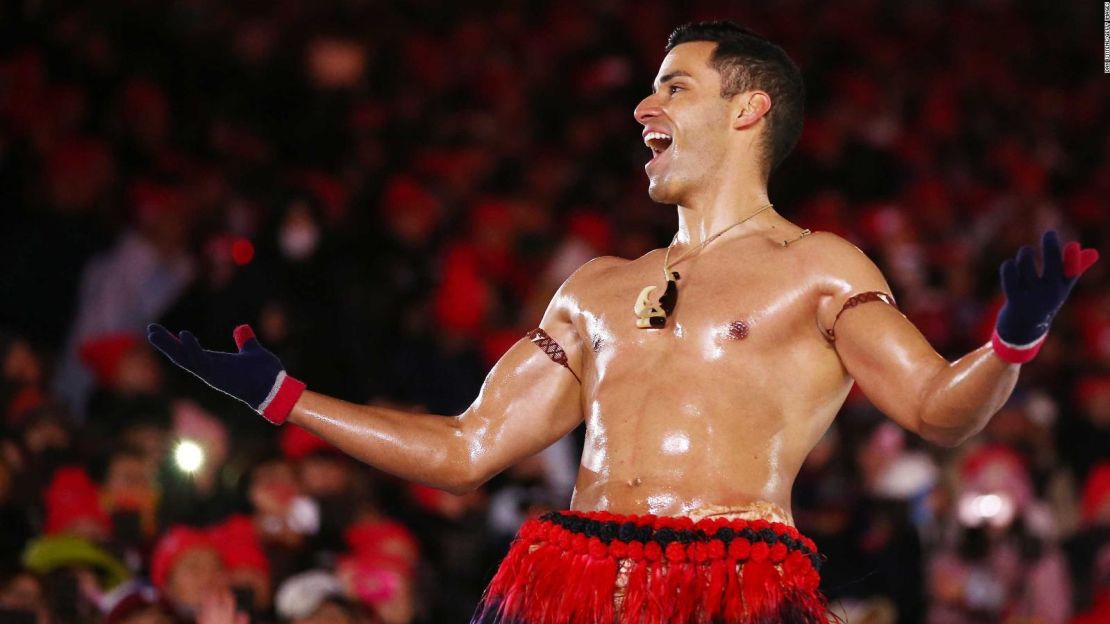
(568, 567)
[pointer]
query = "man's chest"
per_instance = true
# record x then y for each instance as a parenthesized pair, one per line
(720, 310)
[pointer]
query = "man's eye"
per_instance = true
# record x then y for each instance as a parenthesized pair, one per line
(674, 89)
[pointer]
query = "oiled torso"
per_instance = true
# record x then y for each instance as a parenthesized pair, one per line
(719, 408)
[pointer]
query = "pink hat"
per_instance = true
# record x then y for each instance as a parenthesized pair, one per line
(103, 355)
(177, 541)
(997, 468)
(70, 497)
(237, 541)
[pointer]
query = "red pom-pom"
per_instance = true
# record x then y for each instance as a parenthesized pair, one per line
(652, 551)
(778, 552)
(698, 552)
(598, 550)
(795, 565)
(564, 539)
(543, 532)
(675, 552)
(706, 524)
(580, 544)
(739, 549)
(529, 529)
(760, 524)
(811, 580)
(760, 550)
(716, 549)
(618, 549)
(636, 551)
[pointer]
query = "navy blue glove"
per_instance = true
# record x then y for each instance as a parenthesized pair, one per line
(253, 375)
(1033, 300)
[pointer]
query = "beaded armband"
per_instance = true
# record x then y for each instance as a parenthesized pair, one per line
(855, 300)
(551, 348)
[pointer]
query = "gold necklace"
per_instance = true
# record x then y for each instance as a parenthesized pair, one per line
(655, 316)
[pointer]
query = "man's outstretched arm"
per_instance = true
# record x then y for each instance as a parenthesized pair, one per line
(526, 403)
(946, 402)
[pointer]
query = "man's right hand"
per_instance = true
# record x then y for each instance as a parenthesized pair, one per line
(253, 375)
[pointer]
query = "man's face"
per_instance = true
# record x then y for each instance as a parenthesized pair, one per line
(128, 473)
(195, 575)
(686, 123)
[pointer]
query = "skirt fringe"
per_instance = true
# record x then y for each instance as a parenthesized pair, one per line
(565, 568)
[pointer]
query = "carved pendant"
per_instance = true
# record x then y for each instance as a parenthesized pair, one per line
(650, 316)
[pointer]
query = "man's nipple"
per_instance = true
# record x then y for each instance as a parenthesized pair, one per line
(634, 482)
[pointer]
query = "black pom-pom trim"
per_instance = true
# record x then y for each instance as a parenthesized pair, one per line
(629, 531)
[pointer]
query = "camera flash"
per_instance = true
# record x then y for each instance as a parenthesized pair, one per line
(189, 456)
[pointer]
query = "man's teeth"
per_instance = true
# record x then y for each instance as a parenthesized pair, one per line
(657, 141)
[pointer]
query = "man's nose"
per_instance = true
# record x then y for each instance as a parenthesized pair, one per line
(646, 110)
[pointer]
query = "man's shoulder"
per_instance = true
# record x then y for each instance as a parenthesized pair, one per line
(832, 254)
(840, 268)
(591, 277)
(603, 263)
(823, 242)
(593, 270)
(598, 275)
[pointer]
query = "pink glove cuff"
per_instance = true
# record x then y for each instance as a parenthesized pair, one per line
(1016, 354)
(283, 396)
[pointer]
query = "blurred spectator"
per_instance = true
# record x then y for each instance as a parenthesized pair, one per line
(134, 282)
(1002, 560)
(141, 605)
(248, 569)
(22, 598)
(187, 568)
(283, 516)
(13, 517)
(78, 575)
(194, 490)
(1089, 549)
(317, 597)
(21, 384)
(379, 571)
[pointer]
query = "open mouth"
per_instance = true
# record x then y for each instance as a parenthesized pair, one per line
(657, 142)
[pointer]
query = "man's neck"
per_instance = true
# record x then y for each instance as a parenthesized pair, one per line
(713, 210)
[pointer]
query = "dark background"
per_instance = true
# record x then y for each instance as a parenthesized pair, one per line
(391, 191)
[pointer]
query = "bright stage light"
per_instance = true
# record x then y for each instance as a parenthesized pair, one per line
(189, 456)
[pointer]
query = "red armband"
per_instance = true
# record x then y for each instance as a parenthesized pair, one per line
(855, 300)
(542, 340)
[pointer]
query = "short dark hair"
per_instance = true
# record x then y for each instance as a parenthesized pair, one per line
(747, 60)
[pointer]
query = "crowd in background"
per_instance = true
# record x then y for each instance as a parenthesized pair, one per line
(390, 192)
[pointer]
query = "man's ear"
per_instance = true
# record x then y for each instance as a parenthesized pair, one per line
(750, 107)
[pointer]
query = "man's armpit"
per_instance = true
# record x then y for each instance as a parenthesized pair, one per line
(541, 339)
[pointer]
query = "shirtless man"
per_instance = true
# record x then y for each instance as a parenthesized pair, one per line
(698, 423)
